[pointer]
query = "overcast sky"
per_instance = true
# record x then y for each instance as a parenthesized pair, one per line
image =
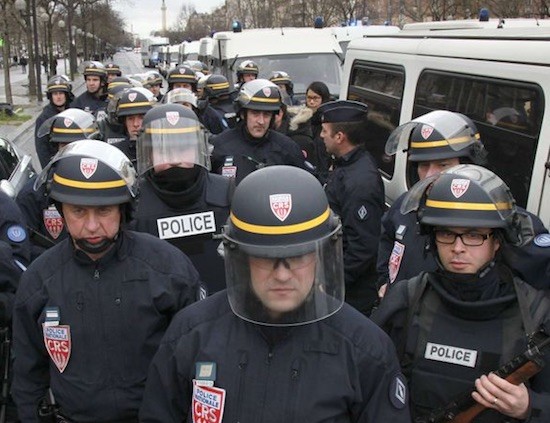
(144, 16)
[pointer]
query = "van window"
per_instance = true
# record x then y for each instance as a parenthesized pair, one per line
(381, 88)
(508, 115)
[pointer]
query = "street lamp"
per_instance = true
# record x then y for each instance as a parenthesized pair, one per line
(21, 6)
(61, 25)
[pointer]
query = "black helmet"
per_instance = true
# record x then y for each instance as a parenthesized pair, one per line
(59, 83)
(247, 67)
(152, 78)
(90, 173)
(259, 94)
(68, 126)
(467, 196)
(280, 215)
(216, 86)
(172, 134)
(113, 69)
(182, 74)
(93, 68)
(282, 78)
(118, 84)
(438, 135)
(134, 101)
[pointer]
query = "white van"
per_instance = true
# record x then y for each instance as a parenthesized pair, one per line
(500, 78)
(306, 54)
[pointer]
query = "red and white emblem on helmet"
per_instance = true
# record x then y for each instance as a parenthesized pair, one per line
(58, 344)
(88, 167)
(182, 70)
(52, 221)
(459, 187)
(266, 91)
(281, 205)
(172, 117)
(67, 122)
(426, 131)
(132, 96)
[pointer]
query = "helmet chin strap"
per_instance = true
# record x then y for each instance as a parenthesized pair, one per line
(96, 248)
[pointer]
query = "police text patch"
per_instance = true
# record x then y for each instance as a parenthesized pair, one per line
(453, 355)
(186, 225)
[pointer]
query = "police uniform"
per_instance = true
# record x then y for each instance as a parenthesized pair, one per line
(101, 322)
(188, 218)
(276, 374)
(91, 103)
(356, 193)
(44, 150)
(237, 154)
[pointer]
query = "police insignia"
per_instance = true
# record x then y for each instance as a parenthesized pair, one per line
(52, 221)
(395, 260)
(266, 91)
(58, 344)
(132, 96)
(542, 240)
(16, 233)
(459, 187)
(208, 403)
(172, 117)
(281, 205)
(398, 392)
(88, 166)
(426, 131)
(67, 122)
(362, 212)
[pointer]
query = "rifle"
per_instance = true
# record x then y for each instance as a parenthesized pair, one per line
(463, 409)
(5, 355)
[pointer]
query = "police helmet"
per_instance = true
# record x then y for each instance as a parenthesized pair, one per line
(468, 196)
(68, 126)
(172, 134)
(248, 67)
(118, 84)
(93, 68)
(113, 69)
(152, 78)
(259, 94)
(282, 78)
(182, 74)
(280, 216)
(90, 173)
(134, 101)
(438, 135)
(181, 95)
(216, 86)
(59, 83)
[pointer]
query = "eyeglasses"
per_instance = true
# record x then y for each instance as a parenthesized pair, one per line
(471, 239)
(291, 263)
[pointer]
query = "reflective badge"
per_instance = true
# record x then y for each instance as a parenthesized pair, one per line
(172, 117)
(58, 343)
(449, 354)
(132, 96)
(362, 213)
(398, 392)
(208, 403)
(395, 260)
(186, 225)
(67, 122)
(88, 166)
(205, 373)
(229, 171)
(52, 221)
(52, 316)
(542, 240)
(281, 205)
(266, 91)
(16, 233)
(426, 131)
(400, 232)
(459, 187)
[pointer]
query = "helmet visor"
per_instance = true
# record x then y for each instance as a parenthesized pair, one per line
(174, 141)
(274, 289)
(111, 156)
(74, 121)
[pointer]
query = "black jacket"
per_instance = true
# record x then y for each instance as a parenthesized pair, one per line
(45, 150)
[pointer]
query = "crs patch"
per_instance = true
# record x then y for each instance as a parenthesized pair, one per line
(398, 392)
(426, 131)
(172, 117)
(208, 403)
(281, 205)
(132, 97)
(52, 221)
(459, 187)
(395, 260)
(16, 233)
(88, 166)
(58, 344)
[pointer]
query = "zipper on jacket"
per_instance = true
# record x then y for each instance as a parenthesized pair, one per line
(243, 362)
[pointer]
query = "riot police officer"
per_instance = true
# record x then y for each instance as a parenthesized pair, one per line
(153, 82)
(268, 345)
(456, 325)
(246, 71)
(90, 312)
(60, 96)
(285, 84)
(252, 144)
(180, 201)
(94, 99)
(44, 222)
(182, 77)
(435, 142)
(109, 128)
(113, 70)
(219, 96)
(356, 193)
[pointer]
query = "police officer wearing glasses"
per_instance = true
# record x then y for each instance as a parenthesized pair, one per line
(456, 325)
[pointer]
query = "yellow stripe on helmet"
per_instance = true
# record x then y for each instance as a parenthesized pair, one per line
(266, 100)
(454, 205)
(88, 185)
(442, 143)
(172, 130)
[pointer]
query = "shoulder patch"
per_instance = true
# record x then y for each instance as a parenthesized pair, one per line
(362, 213)
(16, 233)
(542, 240)
(398, 392)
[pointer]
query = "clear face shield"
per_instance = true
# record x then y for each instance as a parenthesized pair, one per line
(285, 286)
(456, 133)
(173, 141)
(109, 155)
(75, 121)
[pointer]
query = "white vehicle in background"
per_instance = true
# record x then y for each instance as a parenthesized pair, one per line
(344, 34)
(188, 50)
(168, 59)
(306, 54)
(206, 48)
(150, 48)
